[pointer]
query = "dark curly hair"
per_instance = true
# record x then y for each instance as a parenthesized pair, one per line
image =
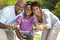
(36, 3)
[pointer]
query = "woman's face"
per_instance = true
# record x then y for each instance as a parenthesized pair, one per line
(28, 10)
(36, 10)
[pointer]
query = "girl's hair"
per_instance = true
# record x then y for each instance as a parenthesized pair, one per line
(28, 3)
(36, 3)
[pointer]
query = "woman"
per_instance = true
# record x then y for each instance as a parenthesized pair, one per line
(45, 17)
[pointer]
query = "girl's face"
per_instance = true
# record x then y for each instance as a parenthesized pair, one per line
(28, 10)
(36, 10)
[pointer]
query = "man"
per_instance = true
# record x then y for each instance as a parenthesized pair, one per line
(8, 16)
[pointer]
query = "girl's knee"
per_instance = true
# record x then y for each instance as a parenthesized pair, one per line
(29, 38)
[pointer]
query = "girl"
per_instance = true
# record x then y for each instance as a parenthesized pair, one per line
(26, 22)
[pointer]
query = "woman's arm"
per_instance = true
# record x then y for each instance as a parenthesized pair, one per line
(48, 24)
(46, 19)
(43, 26)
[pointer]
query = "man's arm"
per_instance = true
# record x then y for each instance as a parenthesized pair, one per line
(3, 26)
(4, 17)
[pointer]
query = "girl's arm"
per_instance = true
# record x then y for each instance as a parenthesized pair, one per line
(17, 30)
(18, 34)
(16, 24)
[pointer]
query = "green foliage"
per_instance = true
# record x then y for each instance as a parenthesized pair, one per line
(56, 11)
(58, 6)
(2, 3)
(27, 0)
(50, 4)
(10, 2)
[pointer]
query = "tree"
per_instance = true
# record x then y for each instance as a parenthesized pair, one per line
(56, 11)
(10, 2)
(50, 4)
(2, 3)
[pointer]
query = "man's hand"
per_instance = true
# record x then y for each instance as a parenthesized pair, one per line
(10, 28)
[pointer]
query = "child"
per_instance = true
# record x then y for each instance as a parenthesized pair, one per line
(26, 22)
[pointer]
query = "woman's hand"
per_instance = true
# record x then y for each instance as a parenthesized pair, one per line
(40, 28)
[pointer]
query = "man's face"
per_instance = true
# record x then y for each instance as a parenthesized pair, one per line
(19, 7)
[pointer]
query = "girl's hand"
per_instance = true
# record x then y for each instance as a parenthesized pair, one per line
(21, 38)
(16, 26)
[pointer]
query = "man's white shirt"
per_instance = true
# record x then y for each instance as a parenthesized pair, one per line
(8, 16)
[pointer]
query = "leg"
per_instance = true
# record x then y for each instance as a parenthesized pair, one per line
(58, 37)
(45, 34)
(3, 35)
(30, 38)
(10, 35)
(53, 33)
